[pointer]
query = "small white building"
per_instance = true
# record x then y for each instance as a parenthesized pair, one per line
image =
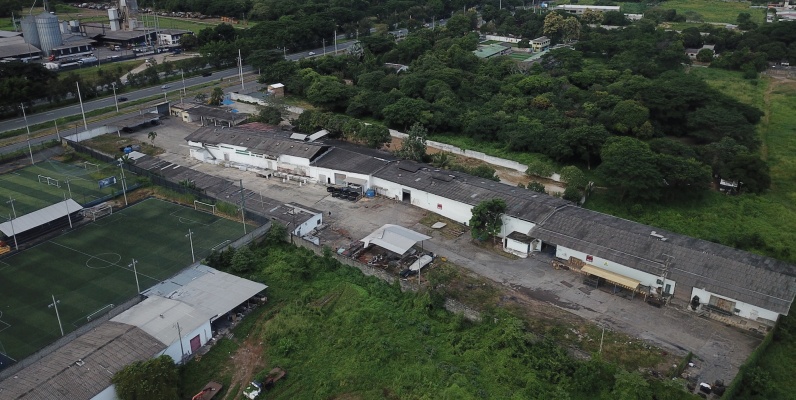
(171, 37)
(540, 43)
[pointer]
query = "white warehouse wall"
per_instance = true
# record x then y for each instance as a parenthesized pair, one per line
(512, 224)
(745, 310)
(643, 277)
(175, 351)
(108, 394)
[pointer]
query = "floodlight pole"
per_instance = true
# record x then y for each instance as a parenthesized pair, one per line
(190, 238)
(66, 203)
(10, 200)
(82, 111)
(55, 305)
(13, 233)
(124, 187)
(25, 115)
(135, 272)
(69, 187)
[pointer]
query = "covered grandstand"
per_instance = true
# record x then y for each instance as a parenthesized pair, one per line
(37, 223)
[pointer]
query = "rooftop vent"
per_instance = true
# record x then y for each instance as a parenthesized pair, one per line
(80, 362)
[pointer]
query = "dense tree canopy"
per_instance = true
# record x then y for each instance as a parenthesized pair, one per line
(155, 379)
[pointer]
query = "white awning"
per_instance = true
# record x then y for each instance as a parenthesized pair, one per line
(394, 238)
(40, 217)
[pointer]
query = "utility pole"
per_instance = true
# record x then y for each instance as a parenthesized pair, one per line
(666, 265)
(242, 206)
(335, 40)
(240, 70)
(66, 203)
(179, 334)
(82, 111)
(30, 150)
(323, 42)
(55, 305)
(135, 272)
(184, 93)
(115, 100)
(190, 238)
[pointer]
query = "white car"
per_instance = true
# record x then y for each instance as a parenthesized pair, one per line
(164, 87)
(312, 53)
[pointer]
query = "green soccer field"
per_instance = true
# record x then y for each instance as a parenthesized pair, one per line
(31, 190)
(88, 269)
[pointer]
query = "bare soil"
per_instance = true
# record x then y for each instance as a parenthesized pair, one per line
(248, 360)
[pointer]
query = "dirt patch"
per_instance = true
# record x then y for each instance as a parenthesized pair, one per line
(111, 144)
(248, 360)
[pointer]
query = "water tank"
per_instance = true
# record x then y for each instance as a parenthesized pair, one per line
(49, 33)
(29, 31)
(74, 26)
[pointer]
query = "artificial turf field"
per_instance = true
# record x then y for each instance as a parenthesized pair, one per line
(88, 269)
(30, 194)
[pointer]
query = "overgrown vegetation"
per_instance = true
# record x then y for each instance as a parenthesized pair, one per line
(340, 333)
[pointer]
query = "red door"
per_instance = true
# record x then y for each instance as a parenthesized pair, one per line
(196, 343)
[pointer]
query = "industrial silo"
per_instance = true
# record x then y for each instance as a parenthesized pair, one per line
(29, 31)
(49, 32)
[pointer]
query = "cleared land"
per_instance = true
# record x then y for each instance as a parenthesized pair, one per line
(31, 190)
(87, 270)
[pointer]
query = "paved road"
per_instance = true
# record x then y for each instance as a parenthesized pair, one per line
(108, 101)
(321, 50)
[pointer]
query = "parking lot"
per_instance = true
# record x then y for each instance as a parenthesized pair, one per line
(719, 349)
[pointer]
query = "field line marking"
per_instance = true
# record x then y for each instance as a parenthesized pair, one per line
(90, 256)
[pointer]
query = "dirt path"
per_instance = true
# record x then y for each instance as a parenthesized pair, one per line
(248, 360)
(765, 123)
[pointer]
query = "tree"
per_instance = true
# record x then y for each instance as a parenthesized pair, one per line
(536, 187)
(574, 177)
(243, 261)
(155, 379)
(374, 135)
(487, 218)
(152, 135)
(414, 146)
(629, 169)
(328, 92)
(553, 24)
(592, 16)
(571, 29)
(705, 55)
(628, 116)
(269, 115)
(585, 141)
(262, 59)
(540, 168)
(216, 96)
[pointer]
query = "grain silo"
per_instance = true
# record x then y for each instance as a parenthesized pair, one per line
(29, 31)
(49, 32)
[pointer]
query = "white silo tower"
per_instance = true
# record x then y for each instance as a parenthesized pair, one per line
(113, 16)
(29, 31)
(49, 32)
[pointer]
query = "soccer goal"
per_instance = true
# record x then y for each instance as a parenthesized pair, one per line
(101, 211)
(90, 166)
(50, 181)
(204, 207)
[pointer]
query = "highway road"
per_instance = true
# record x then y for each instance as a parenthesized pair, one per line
(108, 101)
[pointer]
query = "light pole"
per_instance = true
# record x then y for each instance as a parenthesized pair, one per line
(124, 189)
(54, 304)
(335, 40)
(135, 272)
(182, 72)
(16, 246)
(115, 99)
(82, 111)
(190, 238)
(68, 216)
(24, 115)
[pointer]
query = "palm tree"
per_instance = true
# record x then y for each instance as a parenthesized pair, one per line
(152, 135)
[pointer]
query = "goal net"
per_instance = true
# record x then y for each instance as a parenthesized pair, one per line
(50, 181)
(101, 211)
(204, 207)
(90, 166)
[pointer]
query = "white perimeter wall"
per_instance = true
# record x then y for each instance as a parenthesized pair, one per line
(746, 310)
(643, 277)
(309, 225)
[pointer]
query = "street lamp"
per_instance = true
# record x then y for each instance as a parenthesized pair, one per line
(115, 99)
(24, 115)
(182, 72)
(190, 238)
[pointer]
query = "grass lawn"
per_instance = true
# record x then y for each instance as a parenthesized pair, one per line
(90, 73)
(87, 268)
(715, 10)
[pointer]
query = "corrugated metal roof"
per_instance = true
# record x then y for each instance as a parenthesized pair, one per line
(209, 290)
(350, 161)
(268, 143)
(746, 277)
(394, 238)
(40, 217)
(103, 351)
(159, 316)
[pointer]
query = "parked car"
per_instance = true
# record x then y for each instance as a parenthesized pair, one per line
(312, 53)
(206, 74)
(122, 99)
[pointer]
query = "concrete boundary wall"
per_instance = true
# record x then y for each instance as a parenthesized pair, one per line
(90, 134)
